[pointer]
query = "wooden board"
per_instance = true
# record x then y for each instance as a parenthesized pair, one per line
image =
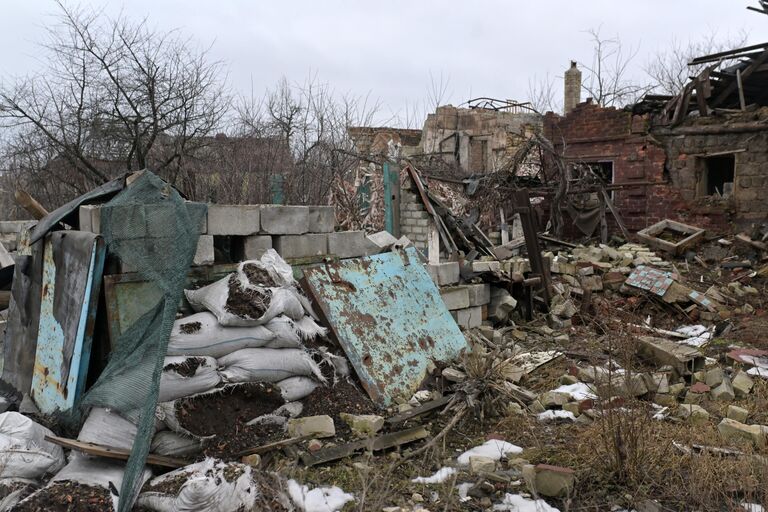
(111, 452)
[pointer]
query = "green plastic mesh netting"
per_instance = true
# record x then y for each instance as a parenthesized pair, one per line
(154, 231)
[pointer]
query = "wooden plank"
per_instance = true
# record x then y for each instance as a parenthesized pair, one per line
(378, 443)
(418, 411)
(273, 446)
(619, 221)
(756, 63)
(111, 452)
(740, 85)
(717, 56)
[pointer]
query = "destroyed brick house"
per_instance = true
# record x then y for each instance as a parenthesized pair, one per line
(697, 157)
(216, 357)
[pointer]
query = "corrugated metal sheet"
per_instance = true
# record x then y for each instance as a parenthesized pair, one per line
(387, 314)
(72, 269)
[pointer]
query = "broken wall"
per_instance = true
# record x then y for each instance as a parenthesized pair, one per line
(666, 166)
(476, 140)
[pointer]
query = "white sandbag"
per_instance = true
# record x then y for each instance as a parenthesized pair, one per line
(296, 388)
(108, 428)
(209, 486)
(187, 375)
(24, 459)
(17, 425)
(171, 444)
(202, 335)
(308, 329)
(285, 331)
(215, 296)
(24, 452)
(97, 472)
(272, 261)
(267, 365)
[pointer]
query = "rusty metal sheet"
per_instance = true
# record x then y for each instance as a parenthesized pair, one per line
(72, 266)
(387, 314)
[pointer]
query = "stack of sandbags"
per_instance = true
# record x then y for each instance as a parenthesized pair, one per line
(249, 328)
(25, 457)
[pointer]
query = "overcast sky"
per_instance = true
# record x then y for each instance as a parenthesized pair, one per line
(389, 49)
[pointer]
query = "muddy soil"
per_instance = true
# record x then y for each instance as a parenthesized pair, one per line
(190, 327)
(247, 303)
(343, 397)
(258, 276)
(224, 415)
(186, 369)
(68, 496)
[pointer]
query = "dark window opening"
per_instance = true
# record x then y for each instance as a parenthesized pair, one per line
(593, 172)
(717, 175)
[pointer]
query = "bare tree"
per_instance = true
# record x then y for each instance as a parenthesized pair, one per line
(307, 121)
(542, 94)
(607, 79)
(669, 70)
(114, 96)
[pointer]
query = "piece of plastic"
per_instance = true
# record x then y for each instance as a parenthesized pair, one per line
(267, 365)
(187, 375)
(209, 486)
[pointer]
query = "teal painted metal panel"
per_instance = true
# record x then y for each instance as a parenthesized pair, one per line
(391, 186)
(387, 314)
(72, 270)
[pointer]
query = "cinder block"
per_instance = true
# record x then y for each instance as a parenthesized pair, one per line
(15, 226)
(128, 222)
(90, 218)
(479, 294)
(204, 252)
(284, 220)
(350, 244)
(301, 246)
(322, 219)
(195, 209)
(255, 246)
(443, 274)
(468, 318)
(233, 219)
(455, 297)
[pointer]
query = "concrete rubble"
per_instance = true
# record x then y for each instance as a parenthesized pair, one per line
(258, 383)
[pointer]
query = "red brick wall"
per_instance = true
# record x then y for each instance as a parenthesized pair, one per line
(592, 133)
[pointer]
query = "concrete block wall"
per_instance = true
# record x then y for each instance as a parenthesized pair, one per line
(468, 303)
(10, 230)
(295, 232)
(415, 222)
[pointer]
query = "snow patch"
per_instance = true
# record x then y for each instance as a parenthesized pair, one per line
(578, 391)
(438, 478)
(494, 449)
(752, 507)
(518, 503)
(556, 415)
(319, 499)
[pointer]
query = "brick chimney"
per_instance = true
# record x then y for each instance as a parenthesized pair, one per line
(572, 88)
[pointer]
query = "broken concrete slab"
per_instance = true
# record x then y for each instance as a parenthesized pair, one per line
(548, 480)
(479, 294)
(204, 252)
(364, 424)
(469, 318)
(685, 360)
(692, 413)
(737, 413)
(312, 426)
(742, 384)
(724, 392)
(479, 464)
